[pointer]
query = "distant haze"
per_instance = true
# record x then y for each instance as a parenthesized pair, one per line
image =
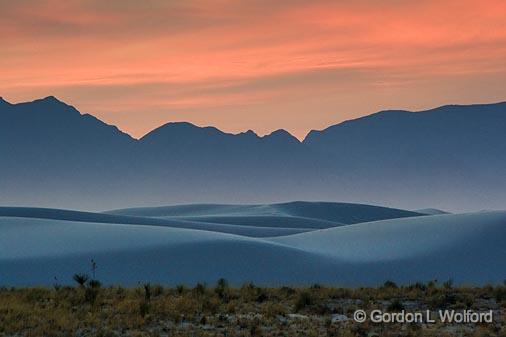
(260, 65)
(451, 158)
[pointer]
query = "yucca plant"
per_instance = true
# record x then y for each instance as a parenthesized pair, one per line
(81, 279)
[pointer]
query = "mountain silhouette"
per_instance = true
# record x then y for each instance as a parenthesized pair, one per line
(454, 154)
(452, 157)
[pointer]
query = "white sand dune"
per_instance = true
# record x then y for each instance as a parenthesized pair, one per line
(469, 248)
(266, 221)
(401, 239)
(341, 213)
(263, 229)
(431, 211)
(35, 251)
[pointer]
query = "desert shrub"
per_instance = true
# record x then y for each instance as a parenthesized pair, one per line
(188, 306)
(91, 291)
(418, 286)
(147, 292)
(200, 289)
(120, 291)
(287, 291)
(432, 284)
(248, 291)
(180, 288)
(395, 306)
(273, 309)
(261, 296)
(439, 301)
(144, 308)
(157, 290)
(251, 293)
(211, 305)
(222, 288)
(340, 293)
(390, 284)
(91, 294)
(232, 307)
(464, 300)
(80, 279)
(448, 284)
(487, 291)
(94, 284)
(500, 294)
(303, 300)
(37, 295)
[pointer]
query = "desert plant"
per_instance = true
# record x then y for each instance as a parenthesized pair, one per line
(147, 292)
(94, 268)
(144, 308)
(81, 279)
(221, 288)
(395, 306)
(262, 295)
(390, 284)
(91, 294)
(448, 284)
(94, 284)
(180, 288)
(200, 289)
(91, 291)
(157, 290)
(303, 300)
(500, 294)
(56, 284)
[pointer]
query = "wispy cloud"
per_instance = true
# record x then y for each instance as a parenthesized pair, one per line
(260, 64)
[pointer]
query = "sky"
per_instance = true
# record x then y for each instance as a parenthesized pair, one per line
(260, 65)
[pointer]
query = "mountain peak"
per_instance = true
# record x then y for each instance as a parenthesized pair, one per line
(50, 100)
(4, 102)
(178, 131)
(179, 125)
(249, 133)
(282, 135)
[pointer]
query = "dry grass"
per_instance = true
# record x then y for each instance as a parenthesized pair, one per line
(246, 311)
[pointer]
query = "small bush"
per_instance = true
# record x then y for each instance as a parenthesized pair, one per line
(222, 288)
(448, 284)
(180, 288)
(91, 294)
(144, 308)
(396, 306)
(147, 292)
(200, 289)
(390, 284)
(500, 294)
(95, 284)
(303, 300)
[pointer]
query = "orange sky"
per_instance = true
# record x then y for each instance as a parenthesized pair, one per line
(260, 65)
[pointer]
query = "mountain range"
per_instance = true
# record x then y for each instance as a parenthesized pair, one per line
(452, 157)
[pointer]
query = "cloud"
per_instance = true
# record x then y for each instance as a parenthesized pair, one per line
(203, 59)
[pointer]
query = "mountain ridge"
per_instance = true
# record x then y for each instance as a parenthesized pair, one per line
(452, 157)
(55, 101)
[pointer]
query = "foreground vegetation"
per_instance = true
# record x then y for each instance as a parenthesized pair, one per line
(90, 309)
